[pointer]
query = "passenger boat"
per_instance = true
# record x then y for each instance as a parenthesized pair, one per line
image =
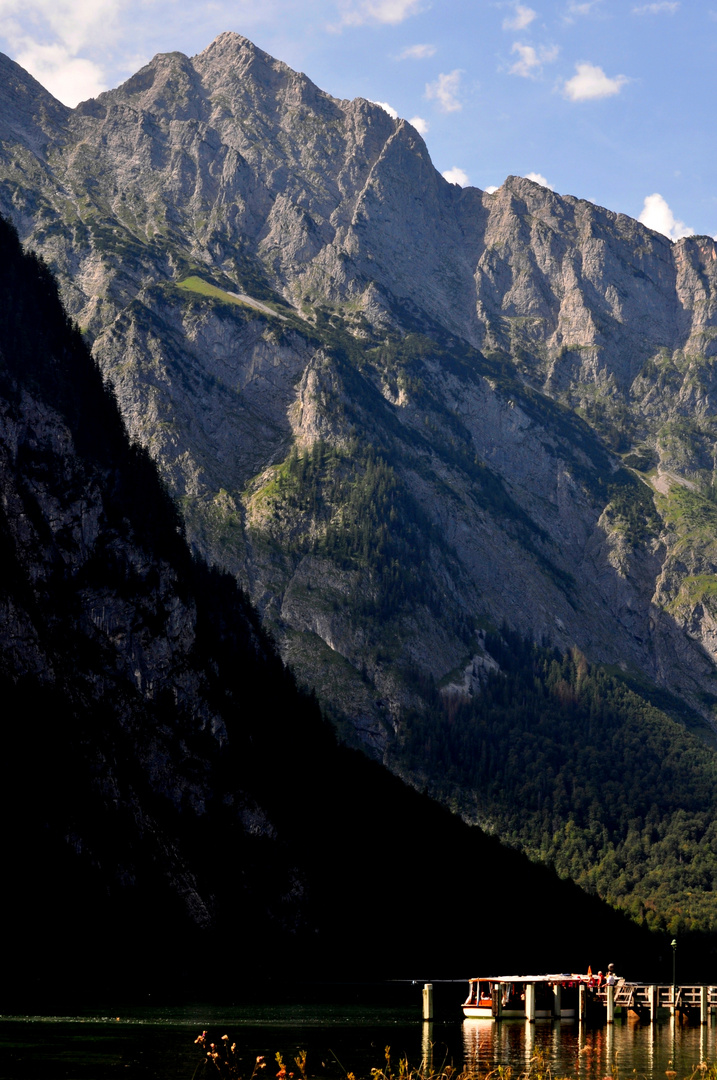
(505, 995)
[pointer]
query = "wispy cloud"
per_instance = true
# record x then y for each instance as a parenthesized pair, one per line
(377, 11)
(538, 178)
(456, 176)
(531, 60)
(590, 83)
(668, 7)
(656, 214)
(523, 17)
(445, 90)
(417, 52)
(576, 9)
(420, 124)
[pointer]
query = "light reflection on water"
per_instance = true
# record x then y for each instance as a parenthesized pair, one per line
(627, 1047)
(152, 1044)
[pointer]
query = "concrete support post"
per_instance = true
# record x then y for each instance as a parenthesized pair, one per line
(530, 1002)
(652, 1000)
(428, 1002)
(610, 1001)
(704, 1005)
(557, 1000)
(582, 1003)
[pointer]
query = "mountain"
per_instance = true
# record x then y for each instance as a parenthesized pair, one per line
(402, 414)
(178, 817)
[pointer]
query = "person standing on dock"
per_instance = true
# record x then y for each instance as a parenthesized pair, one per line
(611, 979)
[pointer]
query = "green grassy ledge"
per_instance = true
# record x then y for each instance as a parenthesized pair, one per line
(197, 285)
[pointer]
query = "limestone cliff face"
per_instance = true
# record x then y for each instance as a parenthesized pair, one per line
(560, 337)
(132, 743)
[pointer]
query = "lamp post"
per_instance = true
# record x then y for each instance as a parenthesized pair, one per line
(673, 943)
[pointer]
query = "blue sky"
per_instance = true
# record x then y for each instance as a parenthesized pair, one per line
(609, 100)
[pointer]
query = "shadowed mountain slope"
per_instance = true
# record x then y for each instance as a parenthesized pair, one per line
(400, 413)
(176, 811)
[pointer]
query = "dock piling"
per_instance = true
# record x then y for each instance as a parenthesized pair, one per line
(610, 1003)
(530, 1002)
(427, 1002)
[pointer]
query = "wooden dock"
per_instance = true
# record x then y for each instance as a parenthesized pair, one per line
(648, 1001)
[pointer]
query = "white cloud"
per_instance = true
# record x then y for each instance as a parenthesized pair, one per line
(491, 189)
(47, 37)
(420, 124)
(669, 6)
(378, 11)
(538, 178)
(531, 61)
(417, 52)
(444, 91)
(69, 78)
(523, 17)
(591, 83)
(657, 215)
(456, 176)
(386, 108)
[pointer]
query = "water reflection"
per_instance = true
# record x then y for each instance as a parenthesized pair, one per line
(427, 1045)
(586, 1053)
(139, 1044)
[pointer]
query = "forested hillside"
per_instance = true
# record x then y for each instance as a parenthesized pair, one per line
(568, 763)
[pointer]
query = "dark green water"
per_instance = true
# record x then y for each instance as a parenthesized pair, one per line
(146, 1043)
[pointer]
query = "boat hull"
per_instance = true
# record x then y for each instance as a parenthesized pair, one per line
(485, 1012)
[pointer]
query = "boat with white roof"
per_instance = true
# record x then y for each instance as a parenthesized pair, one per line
(527, 996)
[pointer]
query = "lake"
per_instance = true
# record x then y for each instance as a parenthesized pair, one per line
(142, 1043)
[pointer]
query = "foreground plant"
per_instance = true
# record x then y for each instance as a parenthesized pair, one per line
(223, 1057)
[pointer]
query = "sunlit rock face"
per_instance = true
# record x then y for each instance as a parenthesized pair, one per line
(428, 427)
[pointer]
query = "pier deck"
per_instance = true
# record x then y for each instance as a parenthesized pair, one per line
(695, 1002)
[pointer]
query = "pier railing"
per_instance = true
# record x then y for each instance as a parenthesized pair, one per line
(647, 998)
